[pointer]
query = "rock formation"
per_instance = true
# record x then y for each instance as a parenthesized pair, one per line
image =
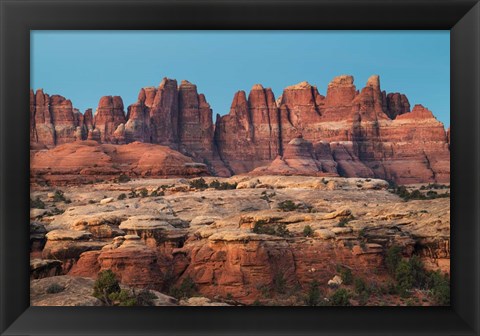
(353, 133)
(87, 161)
(369, 133)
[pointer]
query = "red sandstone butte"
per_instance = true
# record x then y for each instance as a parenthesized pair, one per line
(353, 133)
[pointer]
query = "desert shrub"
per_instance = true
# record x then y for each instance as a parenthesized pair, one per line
(105, 285)
(440, 286)
(262, 227)
(59, 196)
(122, 298)
(91, 202)
(393, 258)
(121, 197)
(37, 203)
(363, 298)
(122, 178)
(56, 211)
(267, 196)
(417, 194)
(143, 192)
(157, 192)
(313, 294)
(198, 184)
(308, 231)
(363, 233)
(287, 205)
(341, 297)
(214, 184)
(360, 286)
(343, 222)
(345, 274)
(281, 230)
(279, 282)
(133, 194)
(404, 277)
(145, 298)
(55, 288)
(187, 289)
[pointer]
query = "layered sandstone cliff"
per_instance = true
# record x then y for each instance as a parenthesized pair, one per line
(348, 132)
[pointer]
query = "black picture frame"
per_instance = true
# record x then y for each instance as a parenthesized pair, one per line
(18, 17)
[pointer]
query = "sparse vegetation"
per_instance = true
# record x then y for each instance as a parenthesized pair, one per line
(287, 206)
(187, 289)
(345, 274)
(313, 294)
(37, 203)
(122, 178)
(341, 297)
(267, 196)
(105, 285)
(273, 229)
(360, 286)
(307, 231)
(59, 196)
(199, 184)
(222, 185)
(343, 221)
(145, 298)
(416, 194)
(143, 192)
(121, 197)
(55, 288)
(107, 289)
(440, 287)
(393, 258)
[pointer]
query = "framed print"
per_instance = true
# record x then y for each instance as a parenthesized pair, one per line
(248, 167)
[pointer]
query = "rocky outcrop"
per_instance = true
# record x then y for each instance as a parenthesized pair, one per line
(353, 133)
(85, 161)
(108, 117)
(300, 158)
(257, 132)
(367, 134)
(52, 120)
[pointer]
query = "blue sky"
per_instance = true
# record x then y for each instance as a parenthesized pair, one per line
(85, 65)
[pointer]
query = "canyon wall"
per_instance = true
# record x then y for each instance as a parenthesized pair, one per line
(348, 132)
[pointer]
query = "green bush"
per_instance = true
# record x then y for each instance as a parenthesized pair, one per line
(55, 288)
(313, 294)
(392, 258)
(345, 274)
(199, 184)
(145, 298)
(121, 197)
(60, 197)
(410, 274)
(287, 206)
(187, 289)
(341, 297)
(122, 298)
(262, 227)
(360, 286)
(308, 231)
(440, 286)
(143, 192)
(122, 178)
(105, 285)
(343, 222)
(222, 185)
(37, 203)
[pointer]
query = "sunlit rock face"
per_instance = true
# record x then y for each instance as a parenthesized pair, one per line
(353, 133)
